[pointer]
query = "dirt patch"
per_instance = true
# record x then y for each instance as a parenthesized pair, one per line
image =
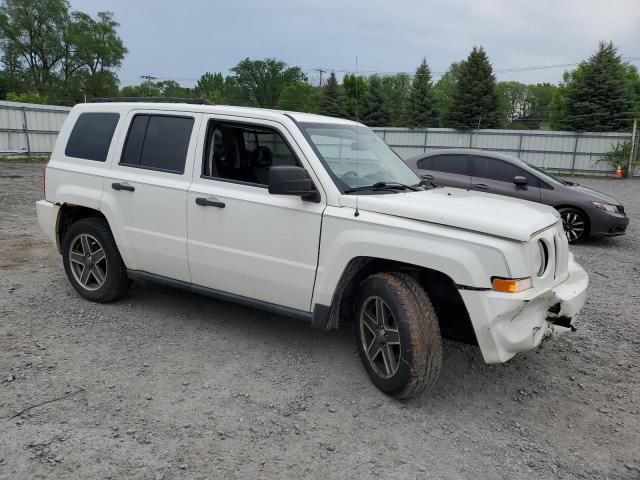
(175, 385)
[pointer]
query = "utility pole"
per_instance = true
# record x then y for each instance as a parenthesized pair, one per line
(632, 150)
(320, 71)
(148, 78)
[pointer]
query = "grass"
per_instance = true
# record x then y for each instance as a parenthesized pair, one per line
(24, 159)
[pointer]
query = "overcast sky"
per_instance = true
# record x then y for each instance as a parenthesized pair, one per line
(180, 40)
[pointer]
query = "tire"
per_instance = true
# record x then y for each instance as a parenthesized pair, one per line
(576, 224)
(98, 275)
(418, 352)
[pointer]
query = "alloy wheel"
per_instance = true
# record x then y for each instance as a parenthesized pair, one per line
(88, 261)
(380, 337)
(574, 225)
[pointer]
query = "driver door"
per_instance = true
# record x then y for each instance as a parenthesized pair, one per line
(242, 239)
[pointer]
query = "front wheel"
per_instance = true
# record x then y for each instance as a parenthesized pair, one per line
(575, 224)
(92, 261)
(398, 334)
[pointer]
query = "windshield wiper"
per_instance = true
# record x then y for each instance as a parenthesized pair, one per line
(383, 186)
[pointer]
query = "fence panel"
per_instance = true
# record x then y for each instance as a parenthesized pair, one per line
(32, 129)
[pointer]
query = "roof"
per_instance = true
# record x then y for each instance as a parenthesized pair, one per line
(262, 113)
(467, 151)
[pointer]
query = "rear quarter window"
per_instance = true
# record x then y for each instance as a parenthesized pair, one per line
(425, 163)
(91, 136)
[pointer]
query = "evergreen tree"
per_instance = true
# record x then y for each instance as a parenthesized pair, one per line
(475, 98)
(330, 103)
(421, 112)
(375, 112)
(598, 94)
(396, 92)
(354, 89)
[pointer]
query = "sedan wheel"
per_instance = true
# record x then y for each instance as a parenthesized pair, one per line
(575, 224)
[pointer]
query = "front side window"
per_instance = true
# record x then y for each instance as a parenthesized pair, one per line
(244, 153)
(158, 142)
(494, 169)
(357, 157)
(91, 136)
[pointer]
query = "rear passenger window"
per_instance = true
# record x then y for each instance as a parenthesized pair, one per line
(425, 163)
(91, 136)
(158, 142)
(451, 164)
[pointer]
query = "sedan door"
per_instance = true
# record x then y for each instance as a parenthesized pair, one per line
(493, 175)
(448, 170)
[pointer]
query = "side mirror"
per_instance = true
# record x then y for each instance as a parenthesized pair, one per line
(286, 180)
(520, 181)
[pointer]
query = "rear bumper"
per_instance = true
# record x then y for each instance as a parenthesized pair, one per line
(506, 324)
(48, 214)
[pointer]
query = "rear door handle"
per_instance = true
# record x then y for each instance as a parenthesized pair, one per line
(480, 186)
(210, 202)
(122, 186)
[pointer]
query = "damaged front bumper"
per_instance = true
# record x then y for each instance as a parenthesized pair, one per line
(507, 323)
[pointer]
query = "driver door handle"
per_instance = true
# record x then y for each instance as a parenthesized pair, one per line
(480, 186)
(123, 186)
(209, 202)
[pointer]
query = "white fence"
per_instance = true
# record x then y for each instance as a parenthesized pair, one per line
(567, 152)
(28, 129)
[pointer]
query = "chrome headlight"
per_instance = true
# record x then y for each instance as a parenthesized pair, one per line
(606, 207)
(540, 257)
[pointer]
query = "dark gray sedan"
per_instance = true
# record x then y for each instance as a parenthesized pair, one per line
(585, 212)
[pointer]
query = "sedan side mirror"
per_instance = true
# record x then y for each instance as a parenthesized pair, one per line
(286, 180)
(520, 181)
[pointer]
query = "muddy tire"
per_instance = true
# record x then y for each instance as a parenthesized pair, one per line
(397, 334)
(92, 261)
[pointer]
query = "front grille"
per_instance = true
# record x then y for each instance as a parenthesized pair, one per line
(561, 247)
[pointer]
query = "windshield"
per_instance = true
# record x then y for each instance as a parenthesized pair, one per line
(548, 175)
(357, 157)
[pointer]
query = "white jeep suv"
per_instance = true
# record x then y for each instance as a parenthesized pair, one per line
(306, 216)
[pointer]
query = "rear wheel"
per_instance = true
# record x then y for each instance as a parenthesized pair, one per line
(575, 224)
(398, 334)
(92, 262)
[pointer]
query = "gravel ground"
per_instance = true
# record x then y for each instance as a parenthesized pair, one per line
(167, 384)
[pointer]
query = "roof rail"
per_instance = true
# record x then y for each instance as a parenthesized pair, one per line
(193, 101)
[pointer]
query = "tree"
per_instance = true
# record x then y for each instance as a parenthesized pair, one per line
(33, 30)
(396, 91)
(421, 112)
(210, 86)
(443, 91)
(374, 108)
(299, 98)
(514, 97)
(264, 80)
(355, 89)
(599, 96)
(475, 99)
(330, 103)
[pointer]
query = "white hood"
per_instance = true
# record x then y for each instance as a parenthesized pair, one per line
(480, 212)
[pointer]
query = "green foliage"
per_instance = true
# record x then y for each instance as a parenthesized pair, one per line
(599, 96)
(28, 97)
(374, 108)
(618, 155)
(421, 112)
(331, 101)
(475, 100)
(396, 92)
(210, 86)
(355, 89)
(443, 92)
(300, 98)
(525, 106)
(60, 54)
(264, 80)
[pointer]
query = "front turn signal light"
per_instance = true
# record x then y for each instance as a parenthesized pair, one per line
(511, 285)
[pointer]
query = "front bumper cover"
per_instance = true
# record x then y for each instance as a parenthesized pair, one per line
(506, 324)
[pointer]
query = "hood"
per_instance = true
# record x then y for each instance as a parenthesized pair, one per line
(480, 212)
(593, 195)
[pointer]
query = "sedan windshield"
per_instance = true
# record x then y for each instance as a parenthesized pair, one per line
(358, 159)
(549, 175)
